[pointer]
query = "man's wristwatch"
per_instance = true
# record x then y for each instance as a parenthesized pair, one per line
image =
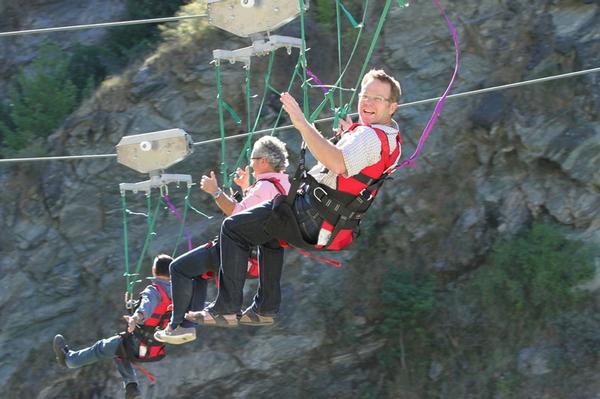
(217, 193)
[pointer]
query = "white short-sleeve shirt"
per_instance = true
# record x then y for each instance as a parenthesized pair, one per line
(360, 149)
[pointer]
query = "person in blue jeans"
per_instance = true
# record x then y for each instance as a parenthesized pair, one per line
(152, 312)
(269, 160)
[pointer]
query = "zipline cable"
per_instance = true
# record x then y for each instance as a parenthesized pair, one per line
(287, 127)
(101, 25)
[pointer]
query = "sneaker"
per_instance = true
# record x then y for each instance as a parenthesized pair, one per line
(251, 318)
(132, 391)
(60, 349)
(178, 336)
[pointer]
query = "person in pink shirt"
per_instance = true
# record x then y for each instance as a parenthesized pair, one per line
(190, 271)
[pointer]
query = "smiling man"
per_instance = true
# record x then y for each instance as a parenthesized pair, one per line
(363, 153)
(378, 99)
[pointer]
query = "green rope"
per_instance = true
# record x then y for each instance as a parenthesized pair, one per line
(245, 152)
(236, 118)
(125, 239)
(151, 223)
(183, 219)
(248, 109)
(301, 62)
(383, 16)
(343, 110)
(348, 15)
(339, 45)
(289, 87)
(221, 122)
(302, 59)
(148, 209)
(268, 87)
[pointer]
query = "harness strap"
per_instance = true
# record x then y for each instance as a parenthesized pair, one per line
(355, 209)
(330, 203)
(275, 181)
(299, 176)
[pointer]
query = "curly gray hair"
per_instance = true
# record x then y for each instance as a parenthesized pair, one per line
(273, 150)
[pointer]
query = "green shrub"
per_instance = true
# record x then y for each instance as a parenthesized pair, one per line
(324, 12)
(407, 301)
(534, 274)
(578, 333)
(45, 93)
(5, 121)
(127, 42)
(86, 68)
(40, 99)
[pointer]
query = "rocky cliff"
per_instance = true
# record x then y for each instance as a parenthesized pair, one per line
(19, 51)
(494, 163)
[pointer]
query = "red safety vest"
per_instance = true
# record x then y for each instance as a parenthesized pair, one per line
(355, 184)
(140, 346)
(348, 188)
(157, 318)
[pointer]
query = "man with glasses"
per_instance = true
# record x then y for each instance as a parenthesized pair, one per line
(361, 148)
(190, 271)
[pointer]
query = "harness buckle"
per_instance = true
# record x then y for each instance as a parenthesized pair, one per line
(320, 199)
(362, 197)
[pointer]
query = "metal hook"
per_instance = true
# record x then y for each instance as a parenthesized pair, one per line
(164, 190)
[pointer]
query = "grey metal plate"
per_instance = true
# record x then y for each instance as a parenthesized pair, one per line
(154, 151)
(262, 16)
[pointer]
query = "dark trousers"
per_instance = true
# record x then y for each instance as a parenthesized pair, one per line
(188, 289)
(239, 233)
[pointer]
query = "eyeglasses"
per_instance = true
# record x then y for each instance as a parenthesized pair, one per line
(375, 99)
(255, 158)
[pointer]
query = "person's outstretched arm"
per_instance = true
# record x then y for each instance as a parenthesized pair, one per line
(323, 150)
(223, 201)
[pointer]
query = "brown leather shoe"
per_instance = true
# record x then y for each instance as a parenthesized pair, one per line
(251, 318)
(207, 318)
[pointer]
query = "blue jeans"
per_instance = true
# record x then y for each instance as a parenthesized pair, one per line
(239, 233)
(102, 349)
(188, 289)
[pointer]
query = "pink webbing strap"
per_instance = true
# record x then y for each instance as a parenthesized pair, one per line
(442, 100)
(178, 216)
(315, 79)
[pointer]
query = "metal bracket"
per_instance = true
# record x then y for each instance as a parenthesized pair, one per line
(259, 47)
(157, 180)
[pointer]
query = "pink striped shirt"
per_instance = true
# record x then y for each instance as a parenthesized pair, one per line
(262, 191)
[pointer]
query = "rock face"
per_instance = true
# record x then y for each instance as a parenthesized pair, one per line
(31, 14)
(493, 164)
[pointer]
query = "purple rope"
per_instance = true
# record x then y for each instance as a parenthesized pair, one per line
(314, 77)
(178, 216)
(442, 100)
